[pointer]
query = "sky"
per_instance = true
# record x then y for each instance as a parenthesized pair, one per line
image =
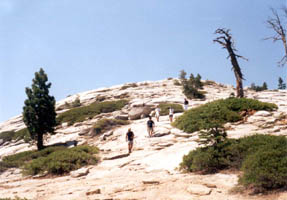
(88, 44)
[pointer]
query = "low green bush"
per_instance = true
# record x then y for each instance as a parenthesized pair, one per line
(54, 160)
(7, 135)
(82, 113)
(164, 108)
(62, 161)
(199, 118)
(18, 135)
(265, 169)
(262, 158)
(209, 159)
(18, 159)
(22, 134)
(104, 125)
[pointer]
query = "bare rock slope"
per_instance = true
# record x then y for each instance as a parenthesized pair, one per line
(150, 172)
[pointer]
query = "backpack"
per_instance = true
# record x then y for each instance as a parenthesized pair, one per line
(150, 123)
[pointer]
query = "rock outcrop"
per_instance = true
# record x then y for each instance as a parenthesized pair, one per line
(151, 170)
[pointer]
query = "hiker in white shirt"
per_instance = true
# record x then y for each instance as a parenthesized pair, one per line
(157, 113)
(171, 110)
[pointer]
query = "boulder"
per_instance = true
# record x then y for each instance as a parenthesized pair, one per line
(65, 125)
(122, 117)
(199, 190)
(84, 132)
(79, 172)
(136, 112)
(104, 137)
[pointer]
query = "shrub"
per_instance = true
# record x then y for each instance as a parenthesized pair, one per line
(208, 82)
(76, 103)
(208, 159)
(62, 161)
(262, 158)
(164, 108)
(7, 135)
(18, 159)
(176, 82)
(130, 85)
(201, 117)
(54, 160)
(104, 125)
(18, 135)
(265, 169)
(82, 113)
(22, 134)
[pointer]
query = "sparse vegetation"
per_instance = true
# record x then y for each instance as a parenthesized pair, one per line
(262, 158)
(104, 125)
(130, 85)
(18, 135)
(76, 103)
(54, 160)
(201, 117)
(164, 108)
(176, 82)
(208, 82)
(87, 112)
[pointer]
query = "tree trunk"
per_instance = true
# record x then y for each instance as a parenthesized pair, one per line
(40, 145)
(237, 72)
(239, 87)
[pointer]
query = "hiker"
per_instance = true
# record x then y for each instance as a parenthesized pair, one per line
(150, 125)
(130, 138)
(157, 113)
(185, 104)
(171, 110)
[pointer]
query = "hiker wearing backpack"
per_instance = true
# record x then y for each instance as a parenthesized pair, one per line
(150, 126)
(185, 104)
(130, 139)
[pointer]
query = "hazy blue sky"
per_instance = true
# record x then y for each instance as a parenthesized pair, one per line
(86, 44)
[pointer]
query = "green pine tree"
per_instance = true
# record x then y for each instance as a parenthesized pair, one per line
(39, 113)
(264, 86)
(281, 84)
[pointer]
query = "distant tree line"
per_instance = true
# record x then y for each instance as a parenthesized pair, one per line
(259, 88)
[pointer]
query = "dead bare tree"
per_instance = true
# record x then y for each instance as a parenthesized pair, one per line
(225, 39)
(276, 24)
